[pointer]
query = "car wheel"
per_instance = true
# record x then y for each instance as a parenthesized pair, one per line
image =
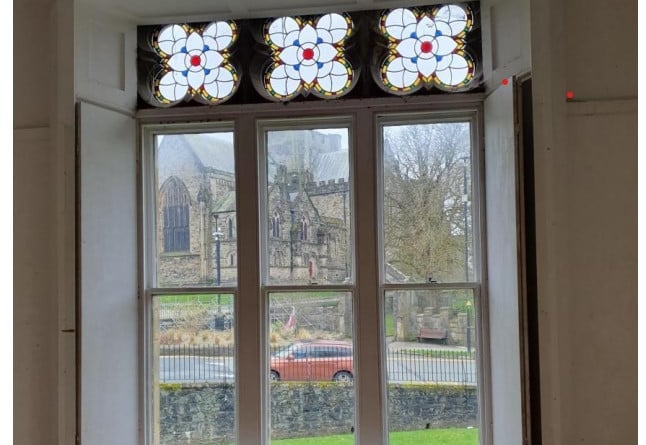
(342, 376)
(273, 376)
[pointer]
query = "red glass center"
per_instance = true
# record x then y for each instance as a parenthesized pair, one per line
(308, 53)
(426, 47)
(196, 60)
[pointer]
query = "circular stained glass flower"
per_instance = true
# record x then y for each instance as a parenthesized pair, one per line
(308, 57)
(426, 49)
(195, 63)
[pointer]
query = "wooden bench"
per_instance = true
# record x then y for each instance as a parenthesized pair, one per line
(433, 334)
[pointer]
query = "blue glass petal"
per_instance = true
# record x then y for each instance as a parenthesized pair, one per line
(297, 43)
(206, 71)
(206, 48)
(414, 59)
(413, 35)
(297, 66)
(319, 40)
(319, 64)
(183, 49)
(438, 58)
(438, 33)
(185, 73)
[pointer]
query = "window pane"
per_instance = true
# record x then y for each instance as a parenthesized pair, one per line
(308, 206)
(195, 210)
(311, 367)
(193, 370)
(427, 211)
(431, 367)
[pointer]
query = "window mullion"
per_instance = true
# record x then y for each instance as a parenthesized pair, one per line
(249, 321)
(370, 421)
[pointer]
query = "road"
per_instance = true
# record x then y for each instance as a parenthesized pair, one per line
(400, 368)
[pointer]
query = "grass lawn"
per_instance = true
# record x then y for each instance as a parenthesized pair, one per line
(389, 323)
(439, 353)
(449, 436)
(225, 299)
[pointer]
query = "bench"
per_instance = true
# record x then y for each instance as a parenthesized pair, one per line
(432, 334)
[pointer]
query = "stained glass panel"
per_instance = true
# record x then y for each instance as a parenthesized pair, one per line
(194, 63)
(425, 49)
(307, 56)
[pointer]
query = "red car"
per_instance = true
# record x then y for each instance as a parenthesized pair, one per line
(314, 360)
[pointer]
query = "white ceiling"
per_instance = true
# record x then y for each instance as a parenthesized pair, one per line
(165, 11)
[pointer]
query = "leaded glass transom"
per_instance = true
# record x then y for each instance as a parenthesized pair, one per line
(426, 48)
(422, 50)
(194, 63)
(307, 56)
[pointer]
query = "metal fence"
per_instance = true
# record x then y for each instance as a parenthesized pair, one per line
(214, 363)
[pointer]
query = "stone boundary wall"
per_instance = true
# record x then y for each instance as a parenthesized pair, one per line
(203, 414)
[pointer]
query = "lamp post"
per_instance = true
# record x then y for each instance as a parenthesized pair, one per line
(465, 205)
(468, 326)
(218, 237)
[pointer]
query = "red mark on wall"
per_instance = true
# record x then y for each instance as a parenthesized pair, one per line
(505, 81)
(569, 95)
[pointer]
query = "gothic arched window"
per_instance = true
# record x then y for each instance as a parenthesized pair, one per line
(304, 229)
(175, 215)
(275, 225)
(229, 228)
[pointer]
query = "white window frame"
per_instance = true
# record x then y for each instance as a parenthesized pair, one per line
(251, 302)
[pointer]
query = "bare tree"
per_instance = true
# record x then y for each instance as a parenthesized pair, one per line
(425, 174)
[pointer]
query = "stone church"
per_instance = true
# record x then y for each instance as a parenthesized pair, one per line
(307, 208)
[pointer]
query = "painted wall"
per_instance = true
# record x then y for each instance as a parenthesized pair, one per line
(586, 209)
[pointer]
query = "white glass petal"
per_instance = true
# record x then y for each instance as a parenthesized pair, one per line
(397, 20)
(308, 72)
(325, 69)
(194, 42)
(335, 24)
(210, 42)
(426, 66)
(326, 52)
(178, 45)
(195, 79)
(168, 36)
(179, 62)
(307, 35)
(398, 75)
(406, 48)
(212, 59)
(289, 55)
(455, 73)
(280, 28)
(444, 62)
(336, 80)
(325, 35)
(443, 28)
(444, 45)
(283, 84)
(454, 16)
(409, 64)
(170, 89)
(292, 73)
(221, 32)
(219, 83)
(425, 27)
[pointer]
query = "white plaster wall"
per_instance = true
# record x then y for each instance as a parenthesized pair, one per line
(35, 347)
(586, 210)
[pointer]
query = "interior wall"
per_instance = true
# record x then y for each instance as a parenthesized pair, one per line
(586, 218)
(35, 358)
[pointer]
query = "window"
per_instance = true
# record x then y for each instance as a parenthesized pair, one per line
(427, 282)
(175, 210)
(376, 275)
